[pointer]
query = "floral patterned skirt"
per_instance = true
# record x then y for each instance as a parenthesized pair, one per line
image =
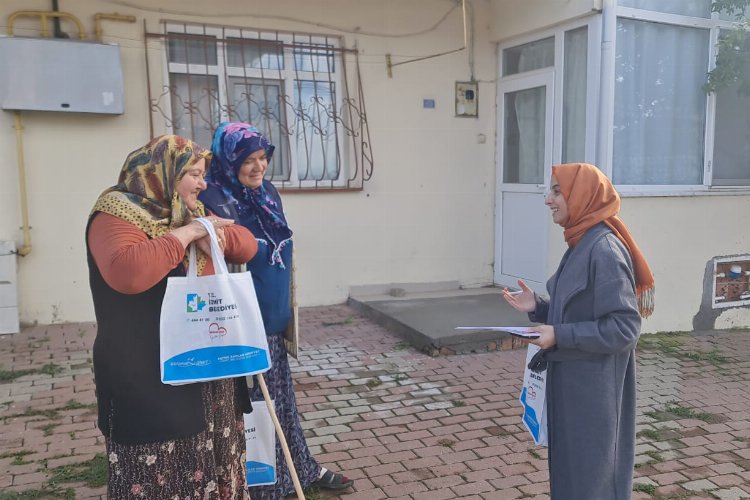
(208, 465)
(281, 389)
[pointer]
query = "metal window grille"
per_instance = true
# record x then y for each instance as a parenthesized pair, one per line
(303, 91)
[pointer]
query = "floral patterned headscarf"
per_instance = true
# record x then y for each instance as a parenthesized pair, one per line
(145, 193)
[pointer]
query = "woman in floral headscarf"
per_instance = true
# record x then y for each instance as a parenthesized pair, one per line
(592, 320)
(237, 189)
(163, 441)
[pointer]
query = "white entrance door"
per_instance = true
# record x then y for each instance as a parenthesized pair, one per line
(524, 162)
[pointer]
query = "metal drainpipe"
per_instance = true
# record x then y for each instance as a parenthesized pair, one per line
(24, 249)
(57, 32)
(607, 89)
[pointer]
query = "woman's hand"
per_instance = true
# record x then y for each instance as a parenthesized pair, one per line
(194, 231)
(204, 244)
(523, 300)
(546, 336)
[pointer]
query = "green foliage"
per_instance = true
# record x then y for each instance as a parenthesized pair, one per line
(649, 434)
(46, 492)
(712, 357)
(645, 488)
(732, 51)
(348, 321)
(674, 411)
(92, 472)
(373, 382)
(49, 369)
(534, 453)
(448, 443)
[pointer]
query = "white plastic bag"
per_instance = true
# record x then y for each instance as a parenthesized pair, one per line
(260, 441)
(533, 399)
(210, 326)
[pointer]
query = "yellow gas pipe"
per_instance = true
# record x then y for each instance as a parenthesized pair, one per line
(101, 16)
(25, 249)
(43, 15)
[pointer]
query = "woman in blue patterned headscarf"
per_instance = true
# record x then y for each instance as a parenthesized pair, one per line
(237, 189)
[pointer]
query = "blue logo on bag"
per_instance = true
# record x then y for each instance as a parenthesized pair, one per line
(195, 303)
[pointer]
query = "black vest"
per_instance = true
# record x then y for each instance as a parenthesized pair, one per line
(135, 407)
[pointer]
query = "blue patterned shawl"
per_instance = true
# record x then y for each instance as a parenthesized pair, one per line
(259, 209)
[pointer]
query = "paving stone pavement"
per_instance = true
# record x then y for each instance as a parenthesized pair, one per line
(402, 424)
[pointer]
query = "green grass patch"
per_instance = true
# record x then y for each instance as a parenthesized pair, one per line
(373, 382)
(649, 434)
(92, 472)
(313, 493)
(534, 453)
(713, 357)
(674, 411)
(447, 443)
(16, 454)
(11, 375)
(400, 346)
(48, 428)
(457, 403)
(348, 321)
(72, 404)
(649, 489)
(48, 369)
(46, 492)
(667, 342)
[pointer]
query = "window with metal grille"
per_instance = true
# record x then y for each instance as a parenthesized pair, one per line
(296, 88)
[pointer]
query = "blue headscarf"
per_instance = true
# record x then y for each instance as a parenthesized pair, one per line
(259, 209)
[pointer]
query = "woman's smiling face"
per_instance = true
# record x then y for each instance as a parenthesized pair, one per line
(556, 202)
(253, 169)
(192, 183)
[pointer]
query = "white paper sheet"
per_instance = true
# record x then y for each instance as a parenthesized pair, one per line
(518, 331)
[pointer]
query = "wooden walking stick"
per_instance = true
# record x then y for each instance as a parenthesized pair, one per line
(282, 438)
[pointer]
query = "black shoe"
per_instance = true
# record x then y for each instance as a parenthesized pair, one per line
(333, 481)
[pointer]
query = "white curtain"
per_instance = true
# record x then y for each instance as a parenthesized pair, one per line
(575, 65)
(530, 106)
(659, 118)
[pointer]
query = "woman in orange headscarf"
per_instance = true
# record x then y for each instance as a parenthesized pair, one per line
(592, 319)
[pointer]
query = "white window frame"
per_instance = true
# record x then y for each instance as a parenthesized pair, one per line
(714, 25)
(288, 82)
(593, 62)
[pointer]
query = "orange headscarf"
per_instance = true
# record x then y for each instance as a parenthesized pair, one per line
(592, 199)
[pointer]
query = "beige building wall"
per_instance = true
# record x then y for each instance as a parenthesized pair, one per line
(425, 216)
(512, 18)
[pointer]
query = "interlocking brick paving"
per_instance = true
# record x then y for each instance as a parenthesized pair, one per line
(402, 424)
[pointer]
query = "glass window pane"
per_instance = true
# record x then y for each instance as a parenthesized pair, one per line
(575, 72)
(195, 106)
(191, 49)
(735, 15)
(694, 8)
(529, 56)
(318, 57)
(523, 143)
(659, 116)
(317, 151)
(259, 103)
(731, 164)
(259, 54)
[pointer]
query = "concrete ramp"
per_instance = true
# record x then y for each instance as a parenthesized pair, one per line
(426, 316)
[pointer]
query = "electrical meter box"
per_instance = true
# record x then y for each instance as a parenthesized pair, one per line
(48, 74)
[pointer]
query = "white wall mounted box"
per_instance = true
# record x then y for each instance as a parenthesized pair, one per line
(47, 74)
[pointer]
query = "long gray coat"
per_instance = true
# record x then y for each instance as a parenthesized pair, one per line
(591, 396)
